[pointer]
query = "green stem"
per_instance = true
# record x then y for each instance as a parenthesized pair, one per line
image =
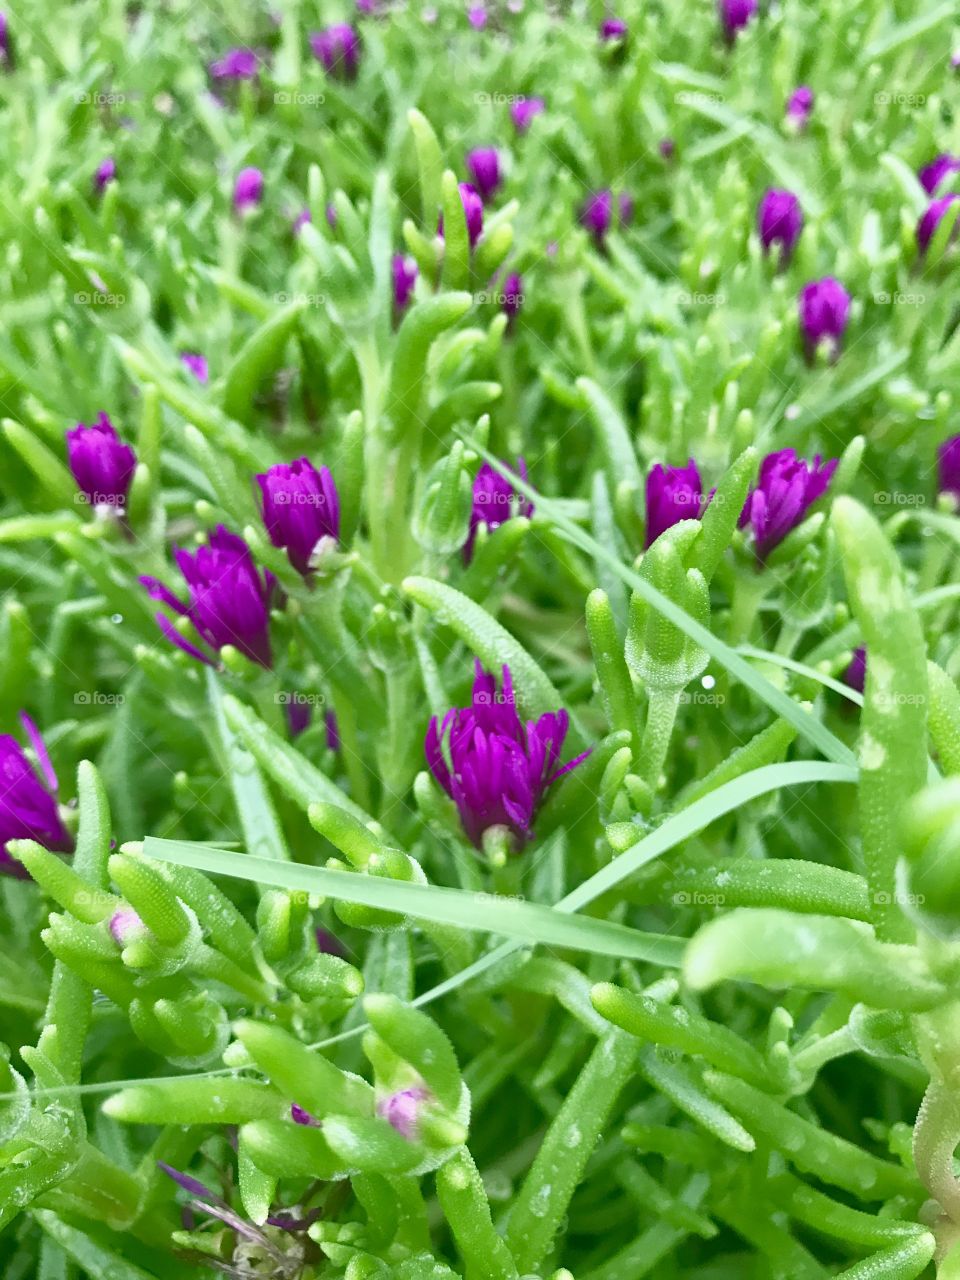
(661, 715)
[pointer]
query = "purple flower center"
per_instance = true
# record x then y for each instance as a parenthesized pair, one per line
(338, 48)
(483, 165)
(402, 1110)
(494, 501)
(780, 221)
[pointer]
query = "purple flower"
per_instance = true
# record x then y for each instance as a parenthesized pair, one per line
(524, 112)
(780, 221)
(735, 15)
(196, 364)
(477, 17)
(667, 148)
(300, 506)
(933, 174)
(332, 730)
(933, 216)
(948, 466)
(613, 29)
(483, 164)
(328, 943)
(248, 189)
(229, 599)
(402, 1110)
(502, 768)
(28, 805)
(236, 64)
(800, 106)
(596, 213)
(126, 926)
(511, 299)
(250, 1241)
(369, 7)
(338, 48)
(824, 307)
(494, 501)
(6, 44)
(298, 715)
(405, 272)
(855, 674)
(331, 215)
(786, 489)
(301, 1116)
(101, 463)
(106, 172)
(472, 211)
(673, 494)
(300, 221)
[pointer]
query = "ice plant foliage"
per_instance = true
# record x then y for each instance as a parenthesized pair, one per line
(229, 597)
(500, 767)
(462, 870)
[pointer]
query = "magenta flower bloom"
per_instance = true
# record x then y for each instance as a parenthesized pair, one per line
(101, 463)
(824, 307)
(338, 48)
(673, 494)
(229, 599)
(511, 298)
(596, 213)
(28, 805)
(855, 674)
(248, 189)
(126, 926)
(502, 768)
(196, 364)
(299, 1115)
(477, 17)
(948, 466)
(483, 164)
(933, 174)
(934, 214)
(106, 172)
(780, 221)
(300, 221)
(735, 15)
(800, 106)
(613, 29)
(249, 1240)
(524, 112)
(472, 210)
(236, 64)
(300, 507)
(404, 270)
(494, 501)
(787, 488)
(667, 148)
(402, 1110)
(6, 44)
